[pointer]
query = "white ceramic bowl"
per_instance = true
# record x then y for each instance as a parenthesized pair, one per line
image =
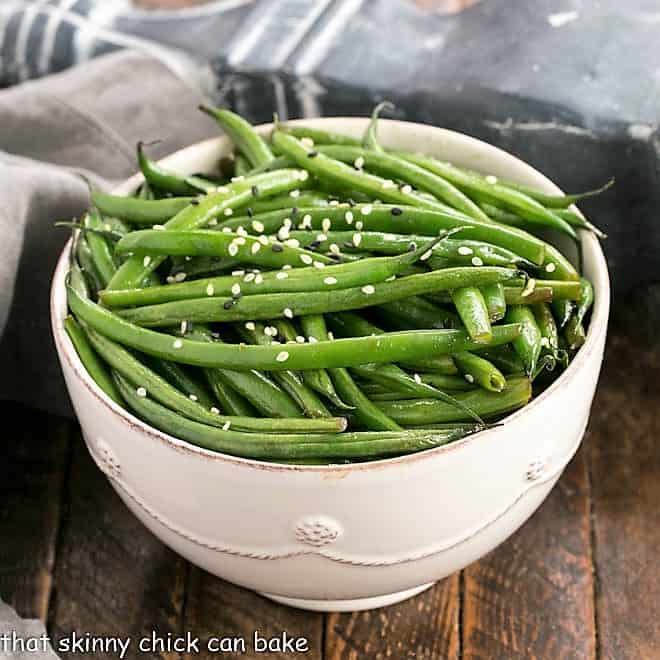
(356, 536)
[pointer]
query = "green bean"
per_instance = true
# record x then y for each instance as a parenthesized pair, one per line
(404, 220)
(528, 344)
(562, 310)
(495, 299)
(319, 136)
(493, 193)
(136, 268)
(90, 360)
(87, 264)
(181, 378)
(555, 201)
(76, 277)
(390, 374)
(349, 324)
(277, 305)
(471, 307)
(417, 312)
(575, 333)
(309, 198)
(99, 247)
(140, 211)
(477, 369)
(366, 271)
(144, 191)
(241, 165)
(246, 139)
(168, 181)
(546, 323)
(231, 402)
(419, 412)
(288, 380)
(289, 446)
(503, 357)
(445, 382)
(370, 137)
(388, 165)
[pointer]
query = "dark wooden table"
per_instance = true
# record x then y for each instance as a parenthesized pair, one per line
(579, 580)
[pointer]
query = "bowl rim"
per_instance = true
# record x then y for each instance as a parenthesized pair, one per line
(597, 325)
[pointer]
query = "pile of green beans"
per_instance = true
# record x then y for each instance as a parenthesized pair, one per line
(328, 301)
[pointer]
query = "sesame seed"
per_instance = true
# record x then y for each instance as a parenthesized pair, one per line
(387, 184)
(476, 261)
(334, 202)
(282, 275)
(240, 240)
(249, 325)
(321, 237)
(312, 154)
(349, 217)
(300, 339)
(263, 239)
(225, 426)
(491, 179)
(359, 163)
(330, 335)
(267, 331)
(359, 225)
(368, 289)
(287, 267)
(366, 209)
(184, 327)
(159, 227)
(288, 312)
(226, 230)
(469, 378)
(294, 193)
(141, 391)
(418, 379)
(391, 278)
(312, 340)
(228, 211)
(169, 279)
(277, 247)
(282, 356)
(293, 242)
(213, 222)
(257, 226)
(222, 189)
(256, 246)
(228, 304)
(177, 343)
(334, 248)
(306, 259)
(236, 289)
(249, 277)
(357, 239)
(464, 250)
(259, 278)
(307, 221)
(319, 264)
(330, 280)
(188, 258)
(192, 397)
(146, 261)
(255, 191)
(307, 141)
(215, 410)
(232, 249)
(396, 210)
(426, 255)
(179, 277)
(407, 189)
(238, 273)
(529, 287)
(326, 223)
(304, 175)
(241, 231)
(236, 179)
(550, 267)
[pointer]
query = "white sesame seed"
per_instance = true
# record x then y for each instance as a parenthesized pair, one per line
(238, 273)
(240, 240)
(334, 248)
(141, 391)
(192, 397)
(236, 289)
(304, 175)
(237, 179)
(232, 249)
(330, 335)
(225, 426)
(288, 312)
(226, 230)
(263, 239)
(293, 242)
(550, 267)
(210, 290)
(184, 327)
(283, 233)
(407, 189)
(476, 261)
(159, 227)
(241, 231)
(249, 277)
(312, 339)
(469, 378)
(257, 226)
(300, 339)
(146, 261)
(282, 275)
(259, 278)
(330, 280)
(267, 331)
(464, 250)
(326, 223)
(249, 325)
(529, 287)
(349, 217)
(282, 356)
(222, 189)
(391, 278)
(334, 202)
(319, 264)
(357, 239)
(294, 193)
(426, 255)
(215, 410)
(366, 209)
(306, 259)
(177, 343)
(321, 237)
(368, 289)
(213, 222)
(169, 279)
(256, 246)
(179, 277)
(417, 378)
(491, 179)
(287, 267)
(387, 184)
(307, 141)
(307, 221)
(188, 258)
(359, 225)
(228, 212)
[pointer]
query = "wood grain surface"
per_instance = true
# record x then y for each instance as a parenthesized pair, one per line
(579, 580)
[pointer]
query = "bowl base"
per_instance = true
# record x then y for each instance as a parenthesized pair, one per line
(351, 605)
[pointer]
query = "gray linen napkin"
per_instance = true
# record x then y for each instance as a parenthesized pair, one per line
(87, 119)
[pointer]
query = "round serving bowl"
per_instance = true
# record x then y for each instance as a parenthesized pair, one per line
(346, 537)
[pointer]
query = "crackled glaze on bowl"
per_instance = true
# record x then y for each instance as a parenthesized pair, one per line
(350, 536)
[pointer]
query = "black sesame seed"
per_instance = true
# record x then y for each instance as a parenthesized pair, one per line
(255, 191)
(277, 247)
(396, 211)
(336, 257)
(312, 154)
(228, 304)
(250, 212)
(351, 202)
(412, 246)
(194, 202)
(294, 211)
(313, 245)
